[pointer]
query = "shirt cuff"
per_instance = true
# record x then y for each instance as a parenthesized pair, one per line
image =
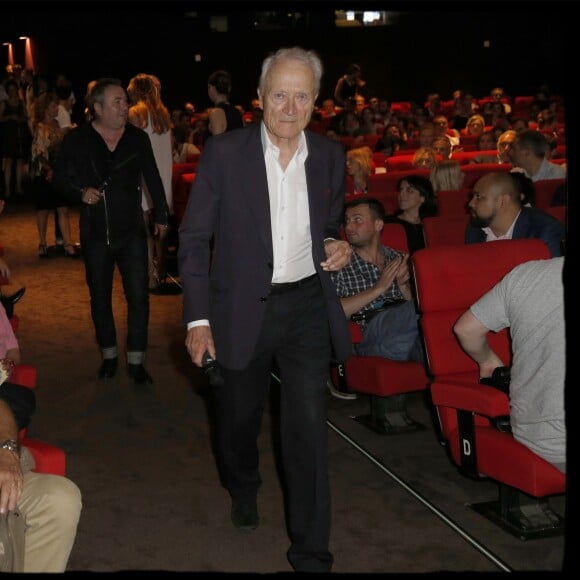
(197, 323)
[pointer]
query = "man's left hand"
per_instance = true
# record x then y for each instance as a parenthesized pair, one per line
(338, 253)
(160, 231)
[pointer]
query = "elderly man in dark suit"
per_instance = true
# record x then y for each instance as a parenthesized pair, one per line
(497, 213)
(270, 196)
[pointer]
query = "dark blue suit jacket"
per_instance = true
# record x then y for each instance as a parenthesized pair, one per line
(229, 202)
(531, 223)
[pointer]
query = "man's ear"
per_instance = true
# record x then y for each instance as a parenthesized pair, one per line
(379, 224)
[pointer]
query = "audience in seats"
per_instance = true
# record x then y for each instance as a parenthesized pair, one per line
(446, 175)
(485, 142)
(358, 166)
(384, 109)
(519, 124)
(328, 109)
(547, 121)
(349, 125)
(465, 107)
(498, 96)
(368, 125)
(498, 118)
(504, 143)
(442, 146)
(529, 301)
(528, 152)
(377, 115)
(497, 213)
(442, 129)
(427, 134)
(375, 290)
(148, 112)
(388, 143)
(416, 200)
(475, 126)
(44, 509)
(433, 105)
(424, 158)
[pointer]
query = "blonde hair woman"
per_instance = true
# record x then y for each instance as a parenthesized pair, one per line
(424, 158)
(148, 112)
(475, 125)
(447, 175)
(358, 166)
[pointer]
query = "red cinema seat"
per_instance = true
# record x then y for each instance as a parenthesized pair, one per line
(48, 458)
(472, 416)
(545, 189)
(379, 376)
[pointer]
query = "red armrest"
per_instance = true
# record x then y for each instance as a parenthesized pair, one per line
(480, 399)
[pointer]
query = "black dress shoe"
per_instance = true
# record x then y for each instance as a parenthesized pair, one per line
(245, 515)
(139, 374)
(108, 368)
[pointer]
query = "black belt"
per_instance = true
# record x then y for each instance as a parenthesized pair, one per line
(368, 315)
(286, 286)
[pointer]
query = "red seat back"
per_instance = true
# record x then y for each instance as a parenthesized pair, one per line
(453, 202)
(473, 171)
(469, 271)
(445, 230)
(545, 189)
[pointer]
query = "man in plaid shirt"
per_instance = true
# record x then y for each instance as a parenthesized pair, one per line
(375, 291)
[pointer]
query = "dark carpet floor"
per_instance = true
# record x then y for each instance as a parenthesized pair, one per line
(144, 461)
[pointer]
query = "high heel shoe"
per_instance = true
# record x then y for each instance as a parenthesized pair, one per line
(42, 251)
(69, 250)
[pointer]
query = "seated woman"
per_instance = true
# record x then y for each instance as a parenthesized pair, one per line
(447, 175)
(358, 166)
(475, 126)
(424, 158)
(416, 201)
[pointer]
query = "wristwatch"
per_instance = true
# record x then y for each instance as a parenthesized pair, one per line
(10, 445)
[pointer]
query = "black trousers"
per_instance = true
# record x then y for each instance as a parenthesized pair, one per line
(295, 335)
(130, 256)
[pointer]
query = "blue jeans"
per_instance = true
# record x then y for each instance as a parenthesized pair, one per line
(130, 256)
(393, 334)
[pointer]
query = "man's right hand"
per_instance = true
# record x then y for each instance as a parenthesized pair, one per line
(198, 341)
(11, 480)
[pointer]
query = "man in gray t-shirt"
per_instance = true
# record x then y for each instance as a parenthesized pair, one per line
(530, 301)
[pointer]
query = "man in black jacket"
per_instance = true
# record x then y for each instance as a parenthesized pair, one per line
(101, 164)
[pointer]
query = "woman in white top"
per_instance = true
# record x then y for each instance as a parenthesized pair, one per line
(148, 112)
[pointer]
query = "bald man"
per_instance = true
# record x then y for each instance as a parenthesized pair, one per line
(497, 214)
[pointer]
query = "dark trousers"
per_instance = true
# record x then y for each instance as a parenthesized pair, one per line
(130, 256)
(295, 335)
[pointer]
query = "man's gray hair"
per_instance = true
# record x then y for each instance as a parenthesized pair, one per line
(308, 57)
